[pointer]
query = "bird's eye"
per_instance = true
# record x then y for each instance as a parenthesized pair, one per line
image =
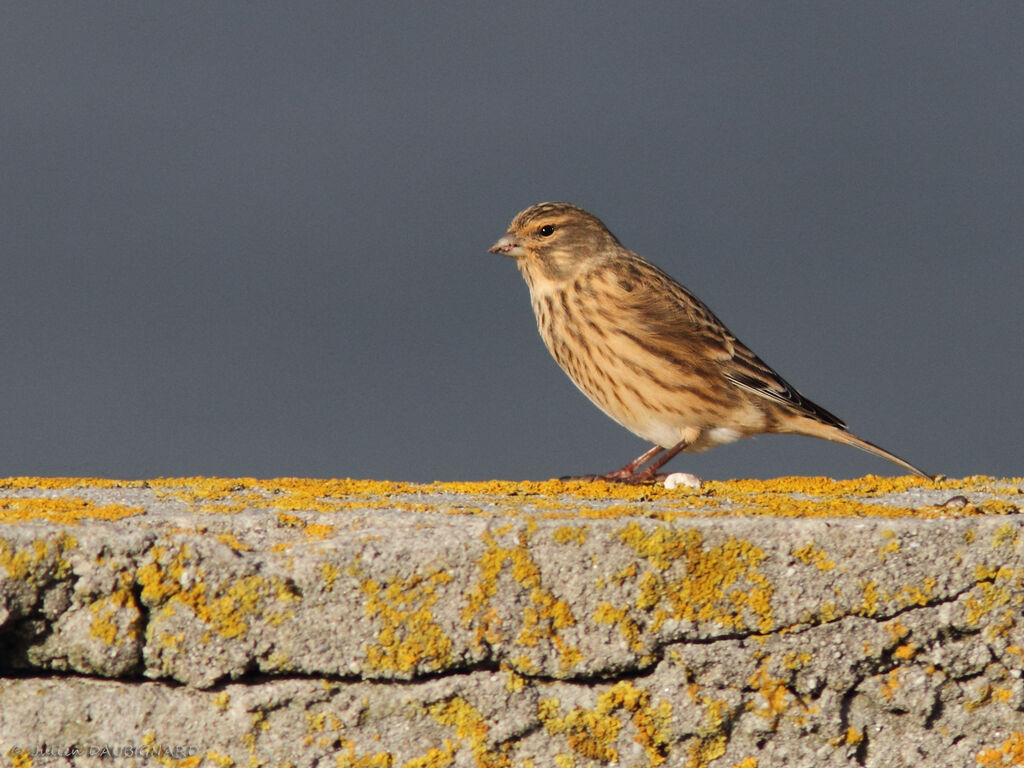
(547, 230)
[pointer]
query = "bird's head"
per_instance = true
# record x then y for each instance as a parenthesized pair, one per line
(558, 239)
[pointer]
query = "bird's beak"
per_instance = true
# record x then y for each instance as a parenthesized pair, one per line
(507, 246)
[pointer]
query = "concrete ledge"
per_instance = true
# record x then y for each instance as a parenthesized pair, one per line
(796, 622)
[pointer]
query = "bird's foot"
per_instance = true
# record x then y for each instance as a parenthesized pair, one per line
(632, 474)
(671, 480)
(613, 477)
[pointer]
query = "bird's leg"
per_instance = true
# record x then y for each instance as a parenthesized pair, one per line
(630, 469)
(622, 475)
(631, 474)
(650, 472)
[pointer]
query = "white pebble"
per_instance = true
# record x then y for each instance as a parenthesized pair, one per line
(677, 479)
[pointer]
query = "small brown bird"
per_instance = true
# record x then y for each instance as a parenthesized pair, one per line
(648, 352)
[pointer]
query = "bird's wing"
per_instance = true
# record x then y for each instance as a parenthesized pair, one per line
(676, 318)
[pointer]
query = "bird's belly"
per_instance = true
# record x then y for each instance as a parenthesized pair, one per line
(668, 428)
(661, 406)
(657, 417)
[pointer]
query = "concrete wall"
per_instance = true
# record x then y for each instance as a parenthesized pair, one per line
(796, 622)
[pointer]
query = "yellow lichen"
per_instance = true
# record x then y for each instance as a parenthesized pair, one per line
(794, 496)
(43, 559)
(232, 541)
(65, 510)
(169, 581)
(712, 740)
(606, 613)
(1011, 753)
(592, 733)
(891, 683)
(869, 606)
(994, 590)
(105, 611)
(545, 616)
(774, 692)
(891, 548)
(330, 574)
(1007, 534)
(905, 651)
(349, 758)
(720, 584)
(813, 556)
(470, 726)
(570, 534)
(408, 637)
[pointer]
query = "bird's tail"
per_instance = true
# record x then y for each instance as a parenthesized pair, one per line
(836, 434)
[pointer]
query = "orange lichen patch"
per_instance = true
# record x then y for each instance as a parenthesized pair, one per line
(542, 619)
(64, 483)
(906, 651)
(177, 756)
(712, 740)
(720, 584)
(891, 547)
(227, 495)
(230, 506)
(318, 531)
(47, 556)
(813, 556)
(913, 595)
(868, 486)
(869, 605)
(350, 759)
(105, 613)
(795, 660)
(592, 733)
(1005, 695)
(409, 638)
(791, 496)
(290, 521)
(339, 487)
(171, 580)
(193, 490)
(891, 683)
(66, 510)
(1006, 535)
(470, 726)
(606, 613)
(215, 758)
(597, 490)
(1011, 753)
(824, 497)
(514, 682)
(330, 574)
(570, 534)
(774, 691)
(997, 590)
(232, 541)
(896, 629)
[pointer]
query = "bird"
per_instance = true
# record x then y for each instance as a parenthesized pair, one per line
(647, 351)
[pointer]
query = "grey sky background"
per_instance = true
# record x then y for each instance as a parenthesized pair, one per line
(244, 239)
